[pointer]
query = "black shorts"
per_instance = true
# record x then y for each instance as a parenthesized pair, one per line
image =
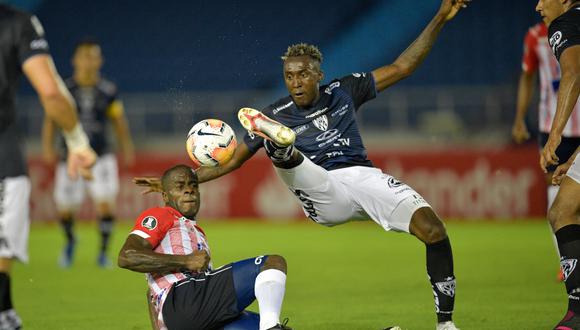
(565, 149)
(212, 300)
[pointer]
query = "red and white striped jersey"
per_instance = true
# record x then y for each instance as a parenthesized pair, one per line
(169, 232)
(538, 56)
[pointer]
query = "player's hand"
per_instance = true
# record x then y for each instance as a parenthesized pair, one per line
(520, 131)
(80, 162)
(198, 261)
(153, 184)
(548, 155)
(560, 172)
(449, 8)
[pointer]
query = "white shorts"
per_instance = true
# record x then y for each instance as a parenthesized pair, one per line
(353, 193)
(574, 170)
(69, 194)
(14, 217)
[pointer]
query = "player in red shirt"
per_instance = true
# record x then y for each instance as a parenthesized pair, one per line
(185, 291)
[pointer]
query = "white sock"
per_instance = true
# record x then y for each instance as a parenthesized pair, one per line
(269, 288)
(552, 192)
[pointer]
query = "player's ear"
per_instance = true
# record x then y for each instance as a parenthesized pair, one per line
(165, 197)
(320, 75)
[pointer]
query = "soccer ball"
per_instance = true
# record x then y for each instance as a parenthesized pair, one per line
(211, 142)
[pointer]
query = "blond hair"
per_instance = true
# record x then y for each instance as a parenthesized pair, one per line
(303, 49)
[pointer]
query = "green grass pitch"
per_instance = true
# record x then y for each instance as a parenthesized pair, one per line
(354, 276)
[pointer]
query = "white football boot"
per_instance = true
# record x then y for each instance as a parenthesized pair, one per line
(449, 325)
(257, 123)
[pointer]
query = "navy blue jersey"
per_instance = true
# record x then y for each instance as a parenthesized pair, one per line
(327, 132)
(21, 37)
(564, 31)
(95, 107)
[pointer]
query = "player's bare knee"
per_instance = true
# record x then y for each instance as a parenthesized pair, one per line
(275, 262)
(427, 226)
(561, 215)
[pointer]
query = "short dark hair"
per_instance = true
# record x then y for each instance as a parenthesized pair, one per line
(87, 41)
(303, 49)
(168, 172)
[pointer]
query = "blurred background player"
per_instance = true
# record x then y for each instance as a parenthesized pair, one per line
(563, 20)
(320, 156)
(97, 104)
(538, 57)
(187, 293)
(25, 50)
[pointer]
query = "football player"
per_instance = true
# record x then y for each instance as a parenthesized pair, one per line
(563, 20)
(24, 49)
(98, 105)
(186, 292)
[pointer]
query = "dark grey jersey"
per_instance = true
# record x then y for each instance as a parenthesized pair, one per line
(327, 132)
(21, 36)
(564, 31)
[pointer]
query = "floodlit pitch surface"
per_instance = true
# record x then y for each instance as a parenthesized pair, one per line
(354, 276)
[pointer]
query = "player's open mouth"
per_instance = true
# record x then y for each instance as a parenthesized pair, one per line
(300, 94)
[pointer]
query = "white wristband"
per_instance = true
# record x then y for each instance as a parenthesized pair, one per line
(76, 139)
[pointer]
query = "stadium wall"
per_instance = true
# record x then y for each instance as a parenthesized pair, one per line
(467, 183)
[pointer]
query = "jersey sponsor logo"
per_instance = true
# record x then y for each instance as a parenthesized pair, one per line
(321, 123)
(301, 129)
(333, 154)
(568, 266)
(340, 112)
(282, 107)
(327, 135)
(342, 142)
(38, 44)
(149, 222)
(447, 287)
(328, 90)
(316, 113)
(556, 41)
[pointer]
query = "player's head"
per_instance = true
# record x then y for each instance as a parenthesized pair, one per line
(302, 73)
(181, 190)
(87, 57)
(551, 9)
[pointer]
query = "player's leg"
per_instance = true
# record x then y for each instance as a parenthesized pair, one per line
(278, 139)
(396, 206)
(104, 189)
(14, 229)
(247, 321)
(262, 279)
(564, 218)
(68, 196)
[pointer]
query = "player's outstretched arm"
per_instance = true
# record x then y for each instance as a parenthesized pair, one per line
(414, 55)
(59, 106)
(204, 174)
(137, 255)
(567, 98)
(520, 131)
(48, 151)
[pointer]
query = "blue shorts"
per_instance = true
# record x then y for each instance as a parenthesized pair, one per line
(565, 149)
(215, 299)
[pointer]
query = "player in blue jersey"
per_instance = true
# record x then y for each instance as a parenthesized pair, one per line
(98, 105)
(315, 145)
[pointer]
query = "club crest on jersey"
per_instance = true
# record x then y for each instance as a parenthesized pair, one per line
(447, 287)
(393, 183)
(321, 123)
(149, 222)
(568, 266)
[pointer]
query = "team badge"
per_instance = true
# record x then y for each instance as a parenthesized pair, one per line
(321, 123)
(149, 222)
(394, 183)
(568, 266)
(447, 287)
